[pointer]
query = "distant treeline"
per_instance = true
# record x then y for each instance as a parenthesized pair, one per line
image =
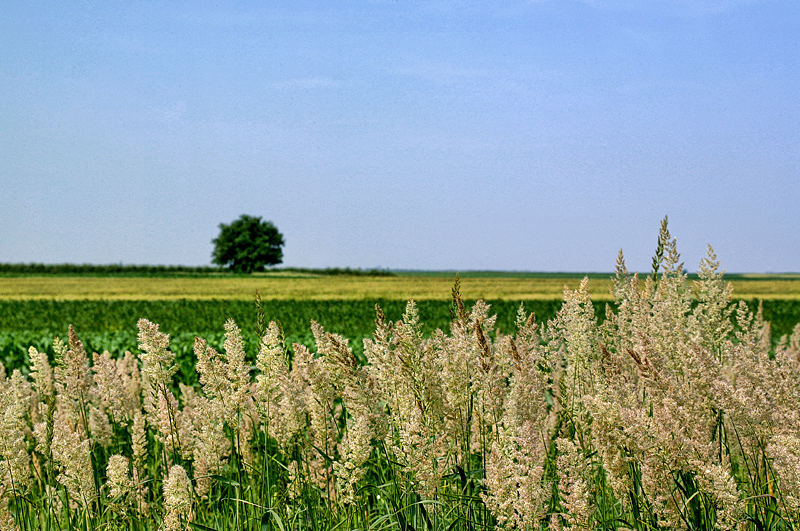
(340, 271)
(167, 270)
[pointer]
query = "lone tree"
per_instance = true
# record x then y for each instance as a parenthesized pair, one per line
(248, 244)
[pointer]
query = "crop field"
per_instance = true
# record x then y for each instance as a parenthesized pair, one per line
(111, 325)
(614, 404)
(405, 287)
(104, 310)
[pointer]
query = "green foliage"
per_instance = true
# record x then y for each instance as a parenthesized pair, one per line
(110, 325)
(32, 269)
(167, 271)
(256, 489)
(339, 271)
(248, 244)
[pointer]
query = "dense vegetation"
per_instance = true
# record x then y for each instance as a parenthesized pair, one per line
(678, 410)
(23, 269)
(248, 244)
(671, 406)
(110, 325)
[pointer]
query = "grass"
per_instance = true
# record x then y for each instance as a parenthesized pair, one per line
(557, 470)
(111, 325)
(417, 287)
(573, 421)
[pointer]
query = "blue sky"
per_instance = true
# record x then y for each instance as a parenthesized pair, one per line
(531, 135)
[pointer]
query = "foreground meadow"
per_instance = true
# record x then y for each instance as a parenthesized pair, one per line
(678, 410)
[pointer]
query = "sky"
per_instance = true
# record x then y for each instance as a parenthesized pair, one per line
(538, 135)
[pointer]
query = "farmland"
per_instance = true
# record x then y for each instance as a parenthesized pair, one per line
(373, 419)
(34, 309)
(287, 287)
(104, 309)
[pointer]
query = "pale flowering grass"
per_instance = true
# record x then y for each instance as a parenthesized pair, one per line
(678, 410)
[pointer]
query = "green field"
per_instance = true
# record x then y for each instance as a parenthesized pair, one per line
(366, 408)
(104, 310)
(468, 428)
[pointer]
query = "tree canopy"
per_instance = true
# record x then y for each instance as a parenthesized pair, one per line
(248, 244)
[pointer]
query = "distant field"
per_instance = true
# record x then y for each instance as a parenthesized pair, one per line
(417, 286)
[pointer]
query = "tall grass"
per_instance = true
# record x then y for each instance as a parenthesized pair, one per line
(677, 411)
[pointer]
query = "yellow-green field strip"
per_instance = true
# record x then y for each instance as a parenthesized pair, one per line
(337, 288)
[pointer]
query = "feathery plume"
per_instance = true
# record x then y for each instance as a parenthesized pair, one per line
(158, 365)
(15, 472)
(109, 389)
(120, 485)
(72, 376)
(139, 447)
(177, 499)
(158, 362)
(210, 447)
(42, 374)
(72, 452)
